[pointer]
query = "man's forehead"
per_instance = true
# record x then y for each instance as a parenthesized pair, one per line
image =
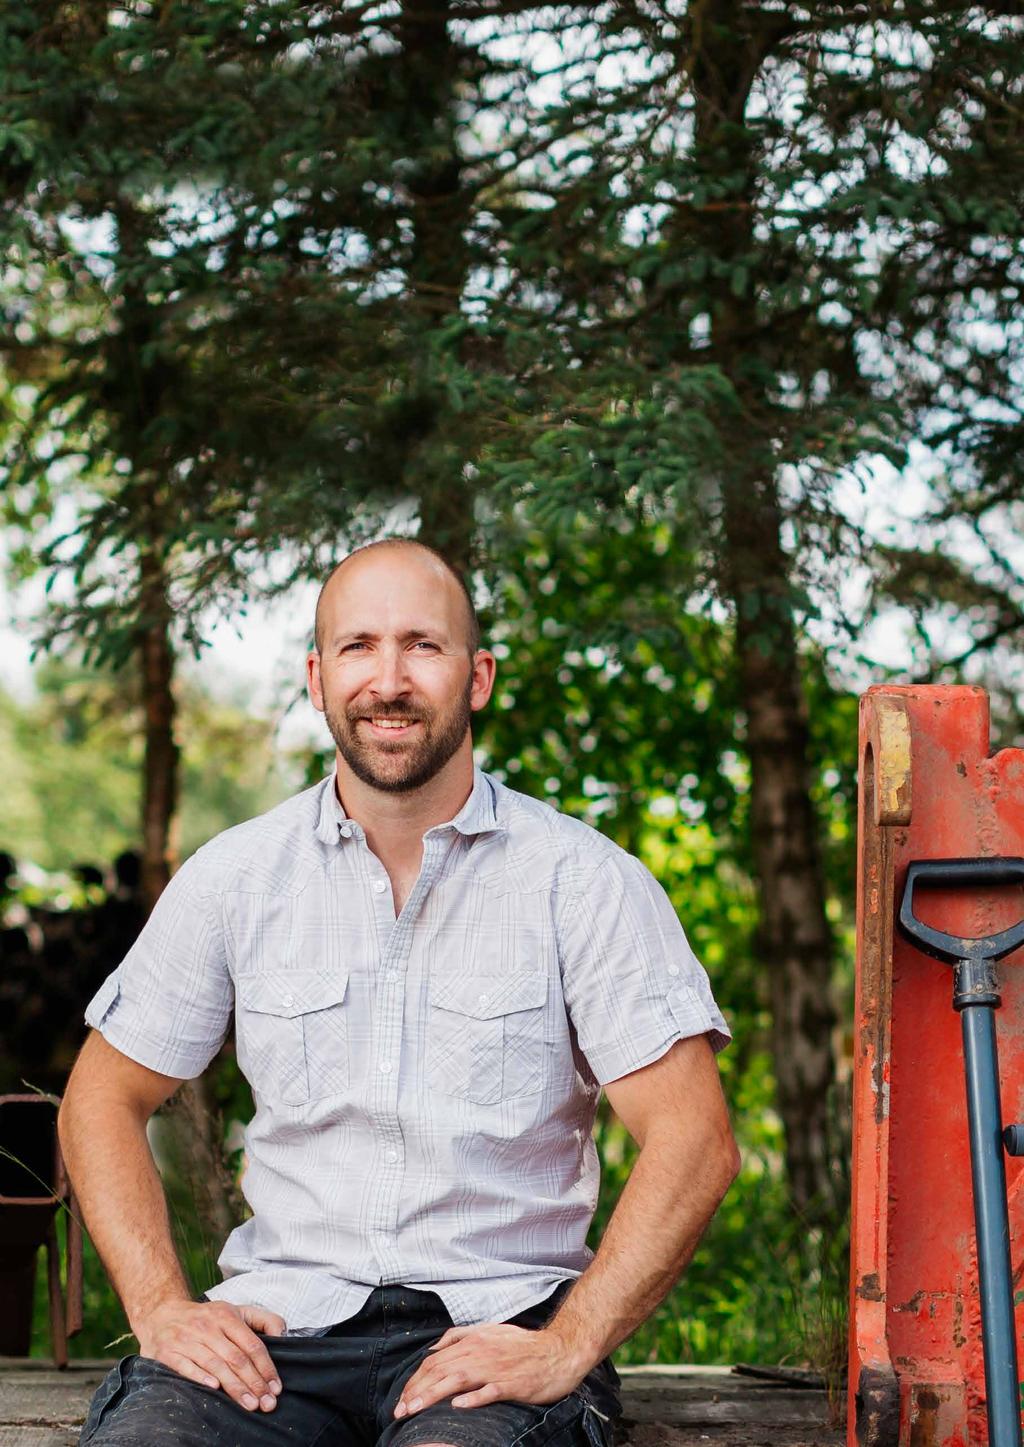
(391, 571)
(424, 591)
(390, 586)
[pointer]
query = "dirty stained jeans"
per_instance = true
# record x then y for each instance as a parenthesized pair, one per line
(340, 1390)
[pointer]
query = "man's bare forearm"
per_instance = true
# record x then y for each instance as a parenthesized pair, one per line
(102, 1127)
(122, 1200)
(672, 1193)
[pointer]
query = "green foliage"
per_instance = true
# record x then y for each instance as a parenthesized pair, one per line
(79, 740)
(645, 688)
(273, 272)
(77, 744)
(760, 1286)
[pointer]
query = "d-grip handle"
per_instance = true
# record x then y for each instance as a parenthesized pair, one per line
(960, 874)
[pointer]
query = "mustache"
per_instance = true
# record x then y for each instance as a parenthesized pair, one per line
(401, 708)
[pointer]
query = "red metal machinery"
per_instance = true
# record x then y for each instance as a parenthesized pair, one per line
(929, 789)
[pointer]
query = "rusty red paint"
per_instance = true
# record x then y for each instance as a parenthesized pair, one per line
(929, 789)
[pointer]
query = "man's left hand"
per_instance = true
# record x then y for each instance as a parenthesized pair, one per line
(492, 1362)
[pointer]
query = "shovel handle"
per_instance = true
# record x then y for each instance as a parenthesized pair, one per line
(960, 874)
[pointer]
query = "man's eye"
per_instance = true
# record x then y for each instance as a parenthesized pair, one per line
(349, 647)
(425, 643)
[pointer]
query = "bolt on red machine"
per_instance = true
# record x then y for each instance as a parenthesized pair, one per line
(930, 791)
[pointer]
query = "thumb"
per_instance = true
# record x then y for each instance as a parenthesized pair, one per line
(260, 1319)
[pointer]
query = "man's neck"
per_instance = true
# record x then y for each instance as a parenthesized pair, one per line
(394, 824)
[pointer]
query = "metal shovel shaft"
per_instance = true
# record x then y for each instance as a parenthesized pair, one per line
(988, 1175)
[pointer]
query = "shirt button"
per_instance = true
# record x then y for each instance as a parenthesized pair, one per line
(379, 886)
(385, 1066)
(673, 969)
(346, 831)
(391, 1156)
(482, 999)
(287, 1000)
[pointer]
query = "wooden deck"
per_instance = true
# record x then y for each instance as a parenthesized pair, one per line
(662, 1407)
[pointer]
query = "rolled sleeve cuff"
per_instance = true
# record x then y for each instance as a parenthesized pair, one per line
(102, 1014)
(690, 1014)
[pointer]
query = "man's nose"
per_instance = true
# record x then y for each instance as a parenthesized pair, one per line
(391, 676)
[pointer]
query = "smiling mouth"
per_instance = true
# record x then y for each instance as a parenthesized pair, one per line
(392, 727)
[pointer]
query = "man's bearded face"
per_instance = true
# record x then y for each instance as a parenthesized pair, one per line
(398, 746)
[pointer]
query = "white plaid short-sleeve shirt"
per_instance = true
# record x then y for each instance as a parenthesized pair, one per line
(425, 1087)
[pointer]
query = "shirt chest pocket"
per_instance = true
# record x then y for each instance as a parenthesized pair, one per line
(486, 1034)
(292, 1033)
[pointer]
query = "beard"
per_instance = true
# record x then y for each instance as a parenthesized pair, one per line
(405, 764)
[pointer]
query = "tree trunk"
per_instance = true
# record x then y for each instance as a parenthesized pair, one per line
(795, 943)
(437, 268)
(160, 767)
(729, 42)
(141, 380)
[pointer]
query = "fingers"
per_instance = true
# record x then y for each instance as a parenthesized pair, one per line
(488, 1363)
(484, 1392)
(262, 1320)
(436, 1385)
(421, 1384)
(234, 1383)
(258, 1361)
(186, 1368)
(243, 1365)
(210, 1343)
(481, 1397)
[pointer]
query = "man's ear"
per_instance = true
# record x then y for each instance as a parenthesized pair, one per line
(484, 668)
(314, 686)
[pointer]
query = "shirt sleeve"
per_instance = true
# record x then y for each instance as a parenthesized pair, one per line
(168, 1004)
(632, 984)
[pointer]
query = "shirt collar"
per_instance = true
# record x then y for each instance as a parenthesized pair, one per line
(478, 815)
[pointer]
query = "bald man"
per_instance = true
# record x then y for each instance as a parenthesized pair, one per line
(431, 977)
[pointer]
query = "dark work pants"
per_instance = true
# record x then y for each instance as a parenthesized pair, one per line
(340, 1390)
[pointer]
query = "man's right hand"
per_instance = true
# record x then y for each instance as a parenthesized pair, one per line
(215, 1343)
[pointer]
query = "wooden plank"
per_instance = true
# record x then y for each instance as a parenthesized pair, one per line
(711, 1397)
(651, 1435)
(30, 1396)
(782, 1408)
(39, 1436)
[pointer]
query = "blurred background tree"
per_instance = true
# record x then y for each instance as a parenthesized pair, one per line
(618, 306)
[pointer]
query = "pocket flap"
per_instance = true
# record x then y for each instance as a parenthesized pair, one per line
(291, 992)
(484, 996)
